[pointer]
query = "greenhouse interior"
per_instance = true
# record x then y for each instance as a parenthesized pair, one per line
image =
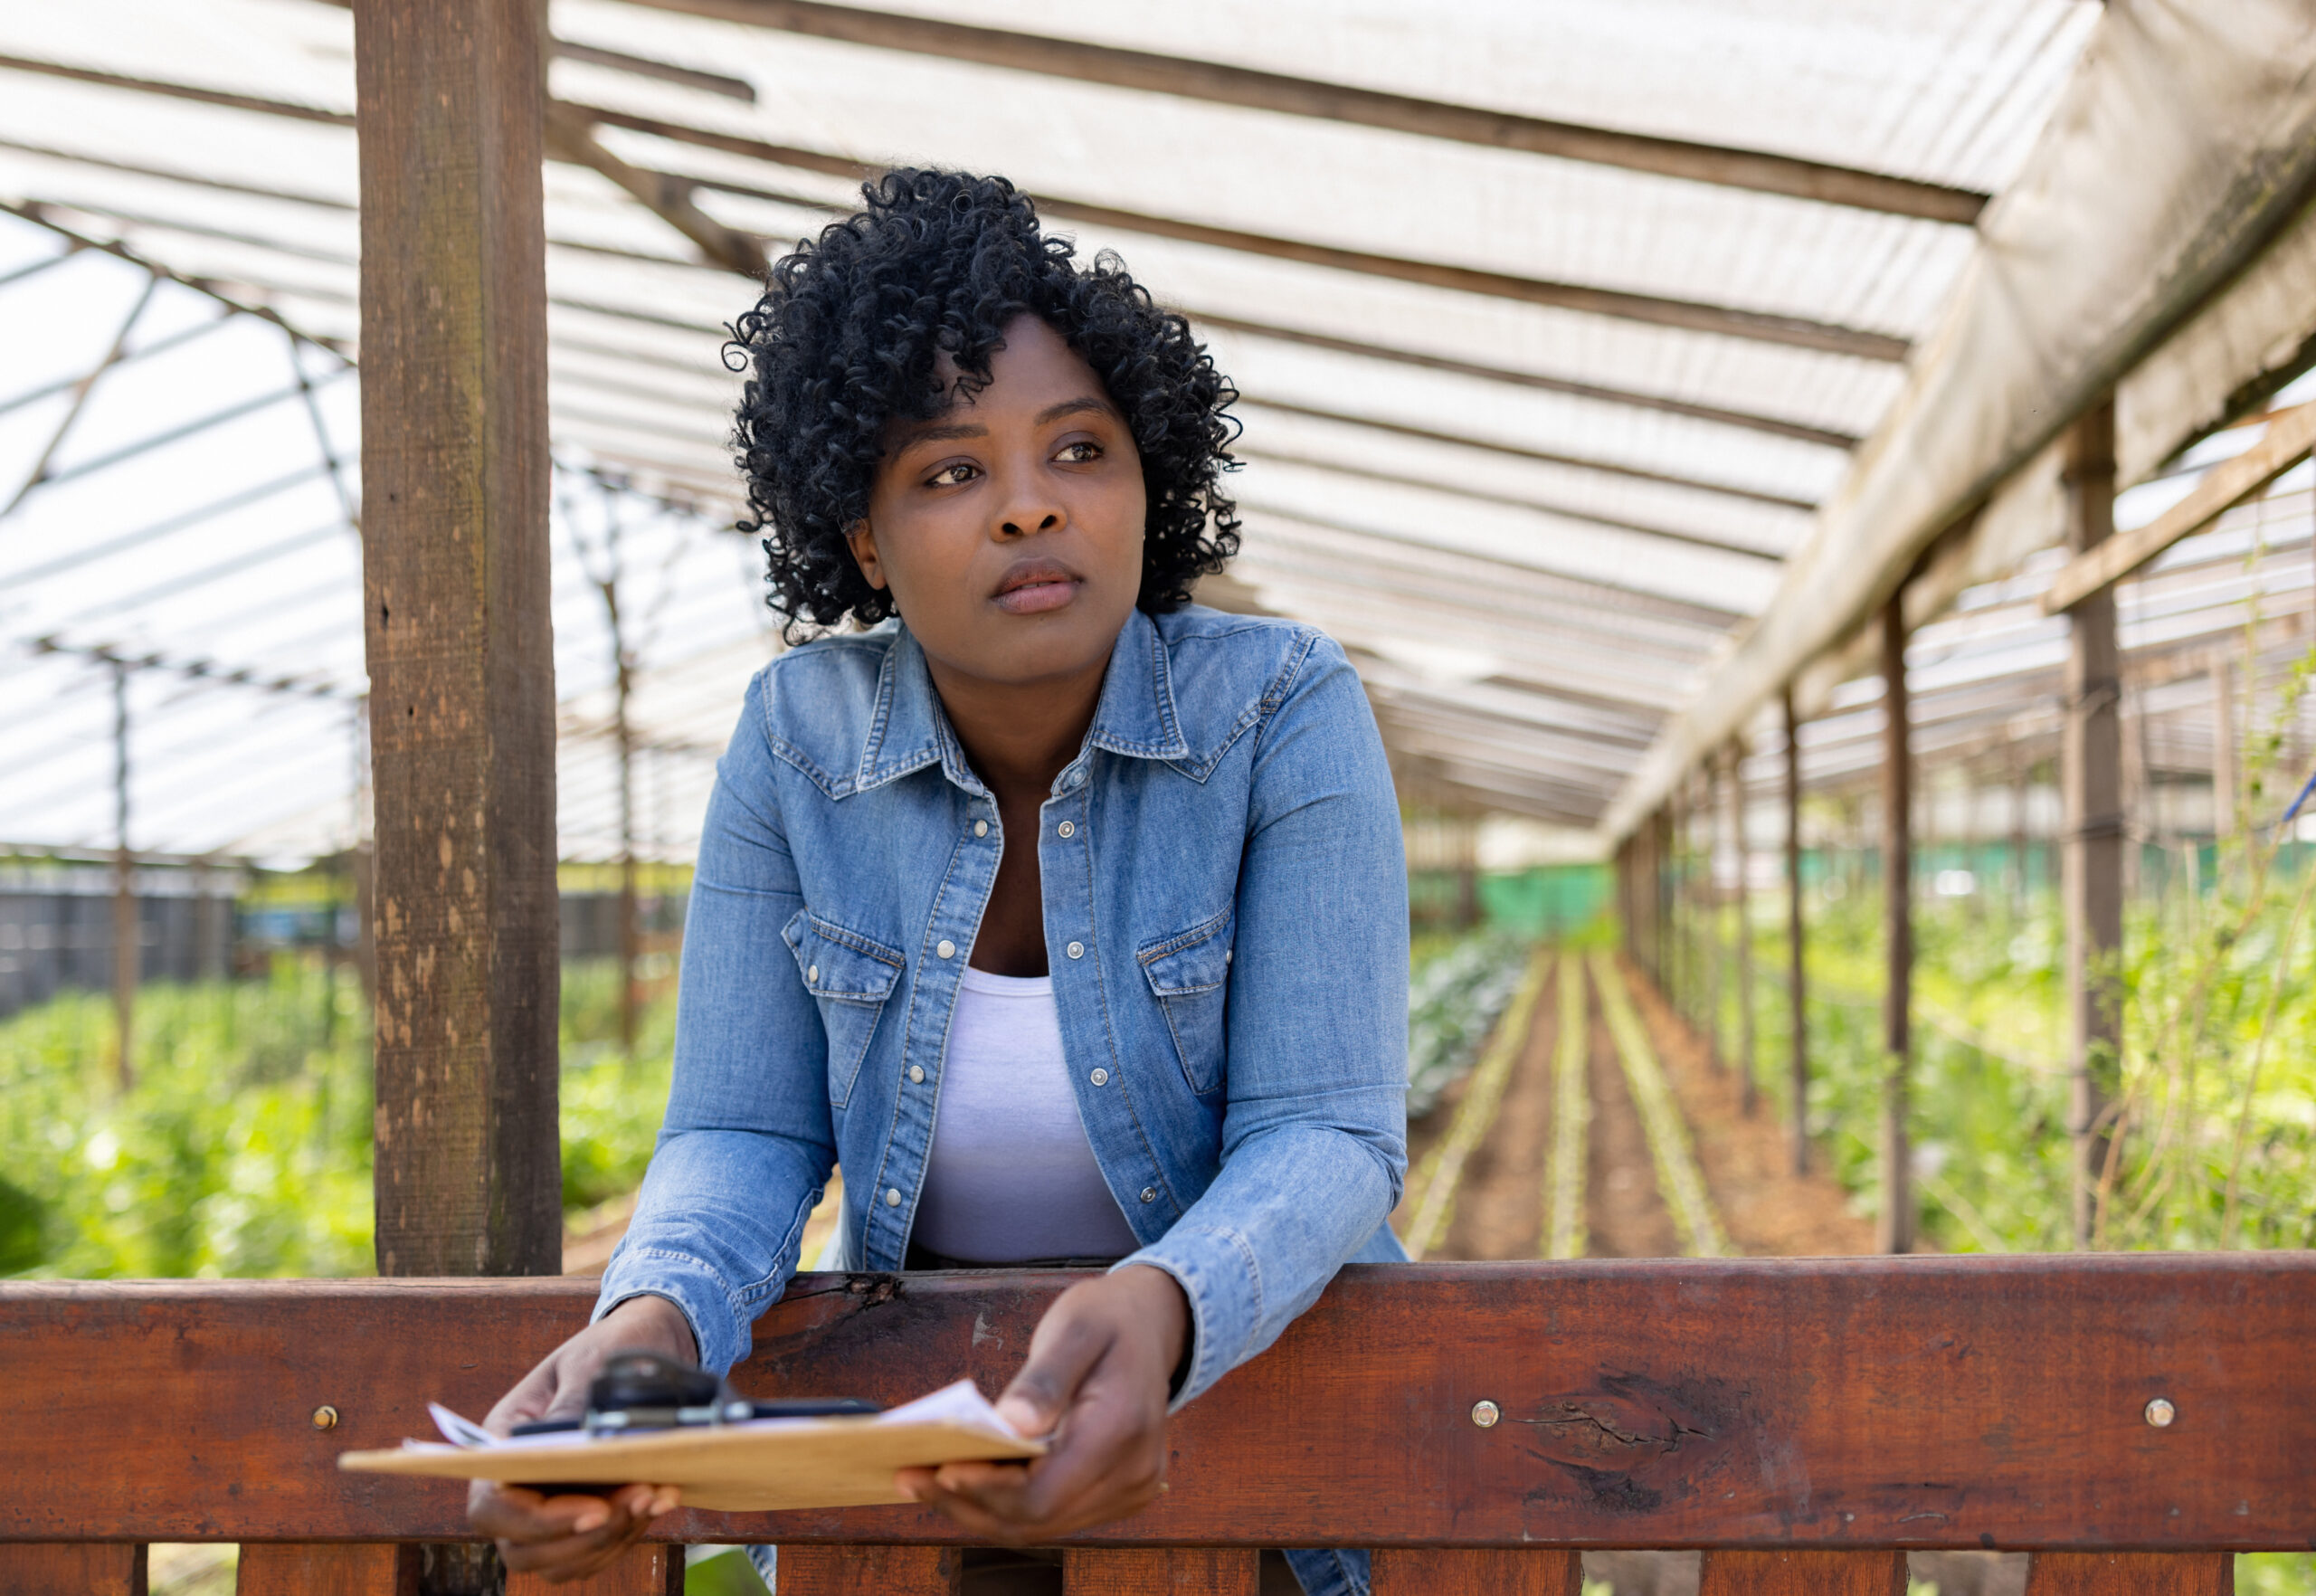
(1817, 496)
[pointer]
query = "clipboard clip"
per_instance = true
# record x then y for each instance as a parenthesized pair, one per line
(641, 1390)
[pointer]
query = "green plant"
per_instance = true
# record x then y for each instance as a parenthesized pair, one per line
(245, 1146)
(1453, 999)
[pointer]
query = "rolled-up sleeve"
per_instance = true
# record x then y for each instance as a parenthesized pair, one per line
(1314, 1134)
(748, 1141)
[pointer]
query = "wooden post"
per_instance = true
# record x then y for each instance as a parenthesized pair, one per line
(1796, 993)
(2222, 752)
(2091, 776)
(128, 940)
(1710, 929)
(1624, 895)
(1661, 865)
(1896, 1231)
(454, 458)
(2021, 775)
(1743, 858)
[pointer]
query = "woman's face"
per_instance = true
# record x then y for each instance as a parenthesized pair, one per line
(1008, 529)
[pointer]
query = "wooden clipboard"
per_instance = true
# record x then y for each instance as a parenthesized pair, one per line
(764, 1466)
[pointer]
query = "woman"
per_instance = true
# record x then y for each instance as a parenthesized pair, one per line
(1067, 918)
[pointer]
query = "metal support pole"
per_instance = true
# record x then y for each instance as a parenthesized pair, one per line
(1797, 994)
(2091, 780)
(2223, 751)
(1710, 954)
(1896, 1231)
(128, 939)
(1743, 856)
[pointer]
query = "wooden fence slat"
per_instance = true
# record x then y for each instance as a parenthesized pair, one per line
(870, 1571)
(293, 1568)
(1802, 1573)
(1408, 1571)
(1761, 1412)
(73, 1568)
(650, 1569)
(2132, 1573)
(1179, 1571)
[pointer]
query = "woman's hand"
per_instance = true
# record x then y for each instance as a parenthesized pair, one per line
(1098, 1376)
(569, 1537)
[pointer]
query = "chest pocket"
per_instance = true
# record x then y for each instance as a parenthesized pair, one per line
(1189, 976)
(851, 976)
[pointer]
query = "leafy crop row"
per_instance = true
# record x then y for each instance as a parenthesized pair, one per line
(244, 1149)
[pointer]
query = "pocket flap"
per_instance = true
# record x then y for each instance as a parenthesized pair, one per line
(1193, 961)
(839, 964)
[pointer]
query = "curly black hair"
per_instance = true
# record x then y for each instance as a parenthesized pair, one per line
(844, 341)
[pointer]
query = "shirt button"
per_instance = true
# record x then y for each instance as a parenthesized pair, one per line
(892, 1196)
(1075, 778)
(813, 974)
(946, 948)
(1150, 1193)
(917, 1073)
(981, 828)
(1077, 950)
(1068, 828)
(1100, 1078)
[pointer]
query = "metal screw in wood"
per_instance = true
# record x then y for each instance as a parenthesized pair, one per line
(2160, 1412)
(1485, 1413)
(324, 1416)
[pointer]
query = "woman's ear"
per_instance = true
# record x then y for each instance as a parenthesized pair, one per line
(863, 541)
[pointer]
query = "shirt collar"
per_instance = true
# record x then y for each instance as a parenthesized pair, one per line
(908, 731)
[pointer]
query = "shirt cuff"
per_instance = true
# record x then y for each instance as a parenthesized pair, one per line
(1217, 1270)
(718, 1323)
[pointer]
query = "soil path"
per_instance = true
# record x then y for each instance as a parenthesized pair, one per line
(1624, 1211)
(1768, 1210)
(1500, 1210)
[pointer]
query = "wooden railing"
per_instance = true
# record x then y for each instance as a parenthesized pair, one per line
(1805, 1422)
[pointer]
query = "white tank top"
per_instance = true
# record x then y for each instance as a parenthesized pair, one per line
(1010, 1175)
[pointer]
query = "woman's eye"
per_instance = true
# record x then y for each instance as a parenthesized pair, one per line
(952, 476)
(1082, 452)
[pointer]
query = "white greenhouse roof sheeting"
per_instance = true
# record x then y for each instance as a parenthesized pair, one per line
(1534, 435)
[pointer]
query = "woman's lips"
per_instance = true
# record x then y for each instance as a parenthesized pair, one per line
(1039, 593)
(1035, 584)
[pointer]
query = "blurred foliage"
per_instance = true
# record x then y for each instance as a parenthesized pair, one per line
(726, 1573)
(1458, 988)
(2214, 1094)
(243, 1146)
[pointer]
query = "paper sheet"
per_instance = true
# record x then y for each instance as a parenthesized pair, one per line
(755, 1465)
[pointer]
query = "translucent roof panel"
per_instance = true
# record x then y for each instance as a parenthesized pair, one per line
(1531, 434)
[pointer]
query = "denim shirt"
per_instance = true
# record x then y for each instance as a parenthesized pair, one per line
(1225, 906)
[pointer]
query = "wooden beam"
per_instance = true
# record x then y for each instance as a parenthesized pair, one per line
(1761, 1410)
(570, 139)
(1796, 990)
(2290, 436)
(1272, 92)
(1895, 1228)
(1793, 331)
(2092, 834)
(455, 462)
(2162, 241)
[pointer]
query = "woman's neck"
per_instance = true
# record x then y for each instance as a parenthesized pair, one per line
(1018, 736)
